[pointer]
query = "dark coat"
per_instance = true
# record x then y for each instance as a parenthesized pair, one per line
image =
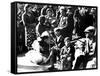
(60, 43)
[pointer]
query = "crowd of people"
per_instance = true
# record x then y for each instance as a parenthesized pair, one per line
(61, 34)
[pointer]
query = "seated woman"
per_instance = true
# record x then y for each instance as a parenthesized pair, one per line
(40, 50)
(55, 49)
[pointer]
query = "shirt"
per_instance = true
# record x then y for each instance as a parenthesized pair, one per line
(63, 22)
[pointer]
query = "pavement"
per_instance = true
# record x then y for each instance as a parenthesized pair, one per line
(25, 64)
(28, 63)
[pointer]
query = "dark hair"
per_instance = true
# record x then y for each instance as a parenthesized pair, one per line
(48, 25)
(44, 37)
(41, 18)
(42, 42)
(49, 9)
(57, 30)
(27, 6)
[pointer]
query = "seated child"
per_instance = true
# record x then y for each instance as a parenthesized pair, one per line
(67, 55)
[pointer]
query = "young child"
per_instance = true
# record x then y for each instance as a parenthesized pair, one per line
(67, 55)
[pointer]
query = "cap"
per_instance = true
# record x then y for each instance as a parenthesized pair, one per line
(90, 29)
(57, 29)
(45, 33)
(67, 39)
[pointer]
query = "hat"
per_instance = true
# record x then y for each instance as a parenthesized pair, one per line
(90, 29)
(49, 9)
(67, 39)
(62, 8)
(41, 18)
(45, 33)
(57, 29)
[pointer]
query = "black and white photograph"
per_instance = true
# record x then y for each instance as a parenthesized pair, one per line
(55, 37)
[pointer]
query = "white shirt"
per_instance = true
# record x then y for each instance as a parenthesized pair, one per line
(63, 22)
(58, 37)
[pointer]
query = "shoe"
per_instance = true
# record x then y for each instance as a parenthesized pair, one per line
(52, 68)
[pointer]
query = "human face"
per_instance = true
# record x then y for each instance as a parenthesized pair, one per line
(68, 11)
(57, 33)
(47, 40)
(63, 13)
(66, 43)
(49, 13)
(35, 8)
(88, 34)
(42, 21)
(29, 9)
(82, 11)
